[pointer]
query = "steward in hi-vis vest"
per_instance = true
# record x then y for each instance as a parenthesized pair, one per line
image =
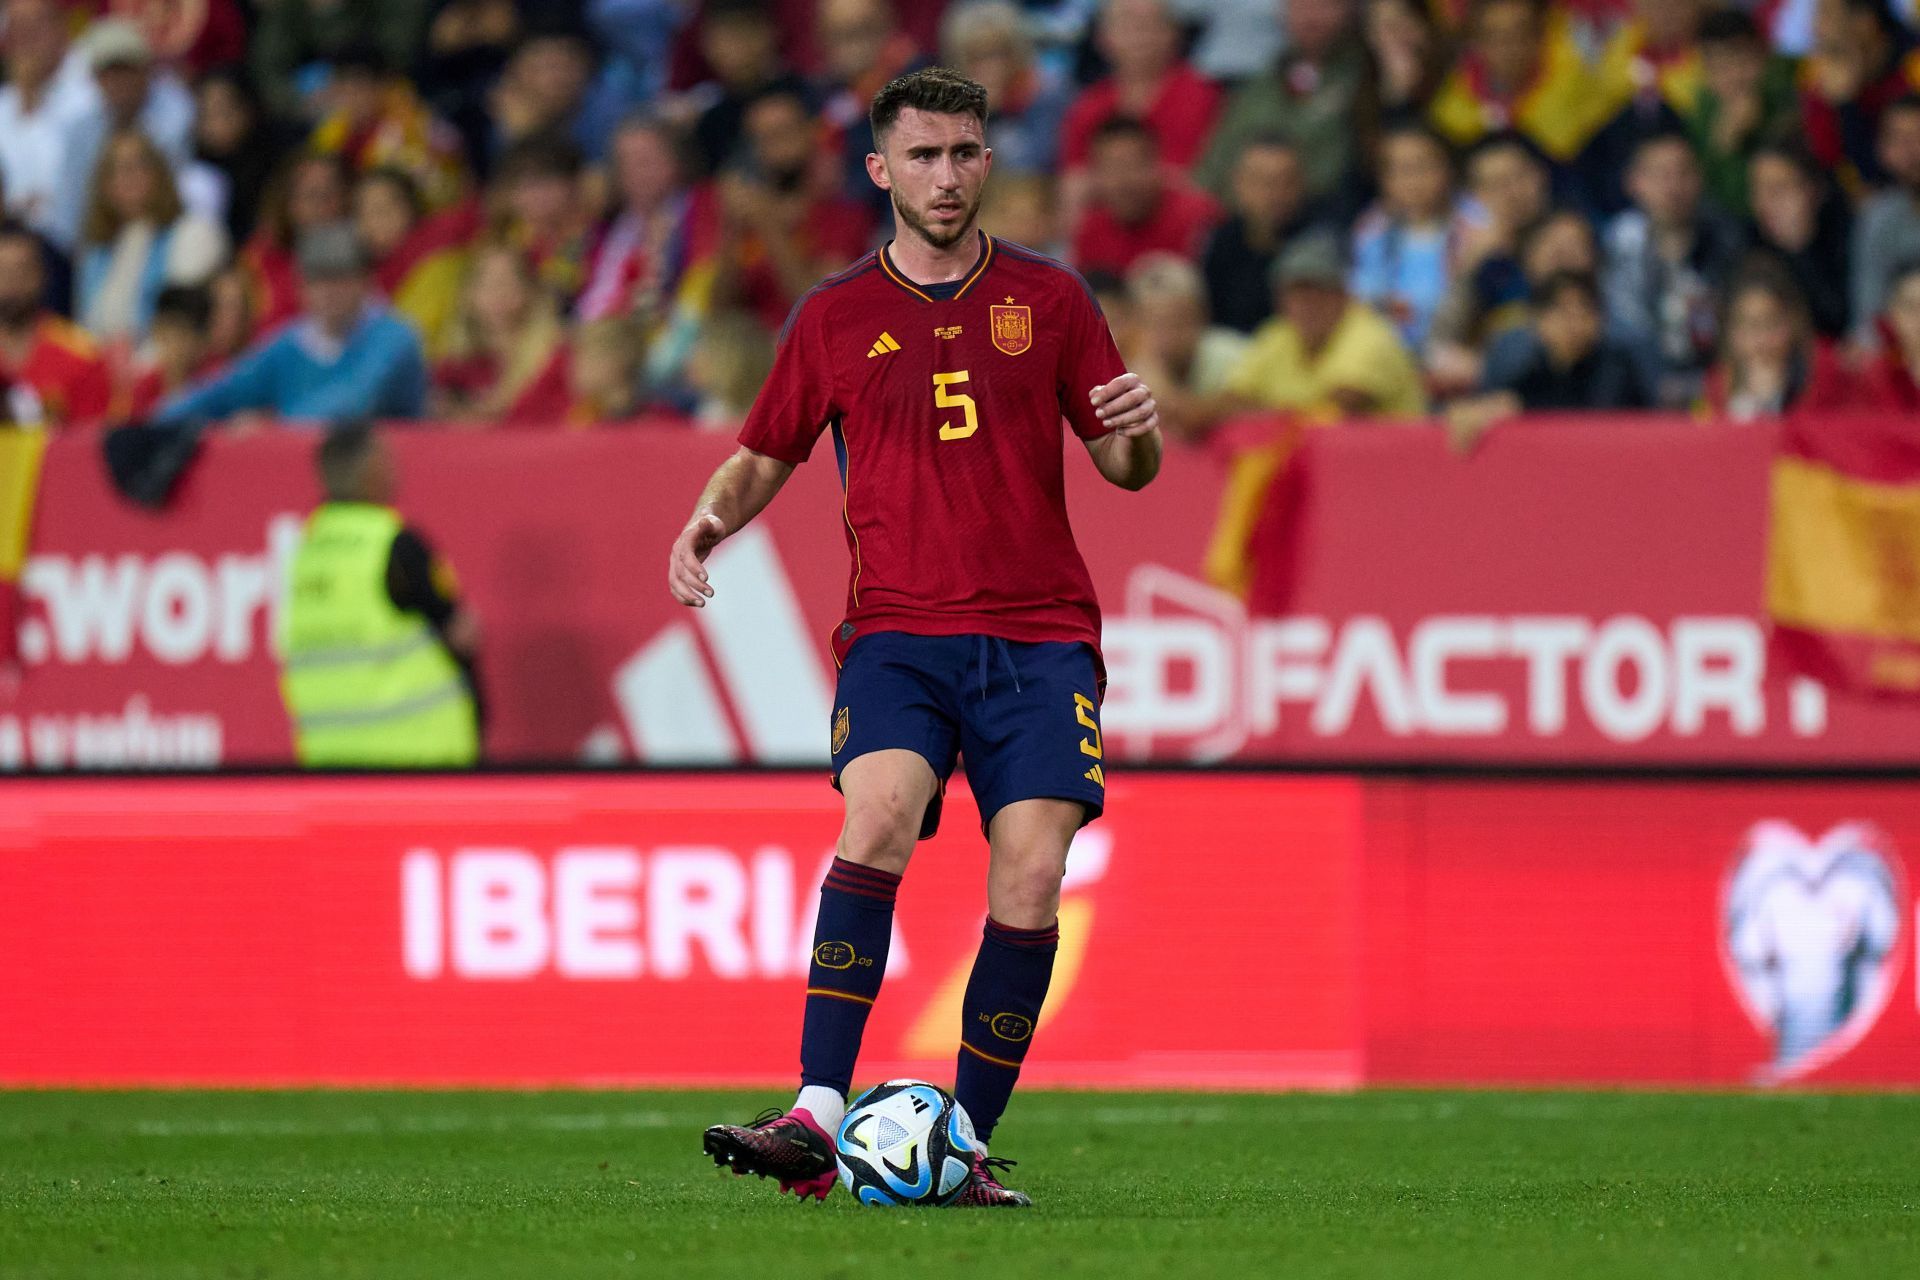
(376, 652)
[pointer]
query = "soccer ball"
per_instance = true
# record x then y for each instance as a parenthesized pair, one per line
(905, 1142)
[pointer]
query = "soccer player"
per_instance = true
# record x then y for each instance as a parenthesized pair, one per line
(942, 364)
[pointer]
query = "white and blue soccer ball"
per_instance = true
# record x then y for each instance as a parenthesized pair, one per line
(905, 1142)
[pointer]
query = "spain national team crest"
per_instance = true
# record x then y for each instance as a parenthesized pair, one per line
(1012, 328)
(842, 725)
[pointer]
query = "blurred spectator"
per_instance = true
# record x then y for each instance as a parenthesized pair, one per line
(1023, 208)
(636, 40)
(784, 223)
(375, 120)
(741, 45)
(1770, 359)
(1409, 55)
(233, 316)
(540, 207)
(603, 377)
(509, 361)
(194, 36)
(1890, 380)
(419, 258)
(52, 375)
(1800, 221)
(309, 191)
(1403, 246)
(553, 85)
(137, 239)
(1667, 259)
(1232, 39)
(56, 269)
(729, 365)
(1267, 207)
(131, 94)
(659, 232)
(177, 351)
(1746, 99)
(1481, 326)
(292, 41)
(1653, 54)
(237, 141)
(1887, 230)
(1134, 206)
(862, 48)
(1508, 189)
(347, 356)
(1312, 98)
(1520, 69)
(46, 92)
(1110, 296)
(1148, 82)
(1862, 60)
(1326, 355)
(987, 41)
(1185, 359)
(465, 51)
(1569, 364)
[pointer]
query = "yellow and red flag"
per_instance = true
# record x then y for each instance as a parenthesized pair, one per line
(20, 453)
(1843, 557)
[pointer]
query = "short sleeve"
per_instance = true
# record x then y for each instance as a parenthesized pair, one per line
(1088, 359)
(794, 406)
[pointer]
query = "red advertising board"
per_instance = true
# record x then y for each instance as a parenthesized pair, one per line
(1232, 930)
(1573, 593)
(525, 930)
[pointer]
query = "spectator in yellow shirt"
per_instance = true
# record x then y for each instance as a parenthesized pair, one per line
(1326, 356)
(1521, 70)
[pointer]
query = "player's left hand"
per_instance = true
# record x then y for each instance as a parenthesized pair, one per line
(1126, 405)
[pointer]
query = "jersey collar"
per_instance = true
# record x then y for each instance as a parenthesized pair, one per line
(894, 273)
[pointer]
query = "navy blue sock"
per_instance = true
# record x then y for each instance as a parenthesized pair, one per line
(1004, 995)
(850, 940)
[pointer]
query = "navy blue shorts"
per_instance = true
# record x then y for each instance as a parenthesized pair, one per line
(1025, 717)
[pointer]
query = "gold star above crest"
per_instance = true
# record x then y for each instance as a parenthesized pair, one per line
(1009, 297)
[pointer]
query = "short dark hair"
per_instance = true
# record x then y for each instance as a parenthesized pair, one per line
(1729, 26)
(1792, 152)
(1660, 137)
(1905, 102)
(1550, 290)
(1903, 271)
(1129, 127)
(1508, 140)
(343, 451)
(400, 180)
(937, 90)
(1414, 127)
(14, 229)
(548, 154)
(190, 304)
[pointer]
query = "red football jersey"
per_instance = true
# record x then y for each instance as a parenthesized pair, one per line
(945, 414)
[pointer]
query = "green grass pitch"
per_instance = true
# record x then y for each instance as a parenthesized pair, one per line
(164, 1186)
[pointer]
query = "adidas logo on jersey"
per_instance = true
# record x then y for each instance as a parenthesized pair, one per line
(884, 345)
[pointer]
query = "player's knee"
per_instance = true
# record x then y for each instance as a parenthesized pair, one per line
(880, 834)
(1026, 886)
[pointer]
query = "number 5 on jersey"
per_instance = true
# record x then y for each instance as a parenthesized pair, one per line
(960, 400)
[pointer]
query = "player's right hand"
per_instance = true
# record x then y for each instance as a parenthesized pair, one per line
(686, 565)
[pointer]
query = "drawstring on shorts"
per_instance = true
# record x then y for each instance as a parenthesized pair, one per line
(1006, 655)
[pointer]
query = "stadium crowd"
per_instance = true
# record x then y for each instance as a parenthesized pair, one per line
(572, 212)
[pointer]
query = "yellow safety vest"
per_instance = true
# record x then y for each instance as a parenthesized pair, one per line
(366, 685)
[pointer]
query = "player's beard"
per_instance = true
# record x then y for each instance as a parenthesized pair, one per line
(939, 240)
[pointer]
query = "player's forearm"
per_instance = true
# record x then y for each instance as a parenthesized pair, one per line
(741, 488)
(1131, 461)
